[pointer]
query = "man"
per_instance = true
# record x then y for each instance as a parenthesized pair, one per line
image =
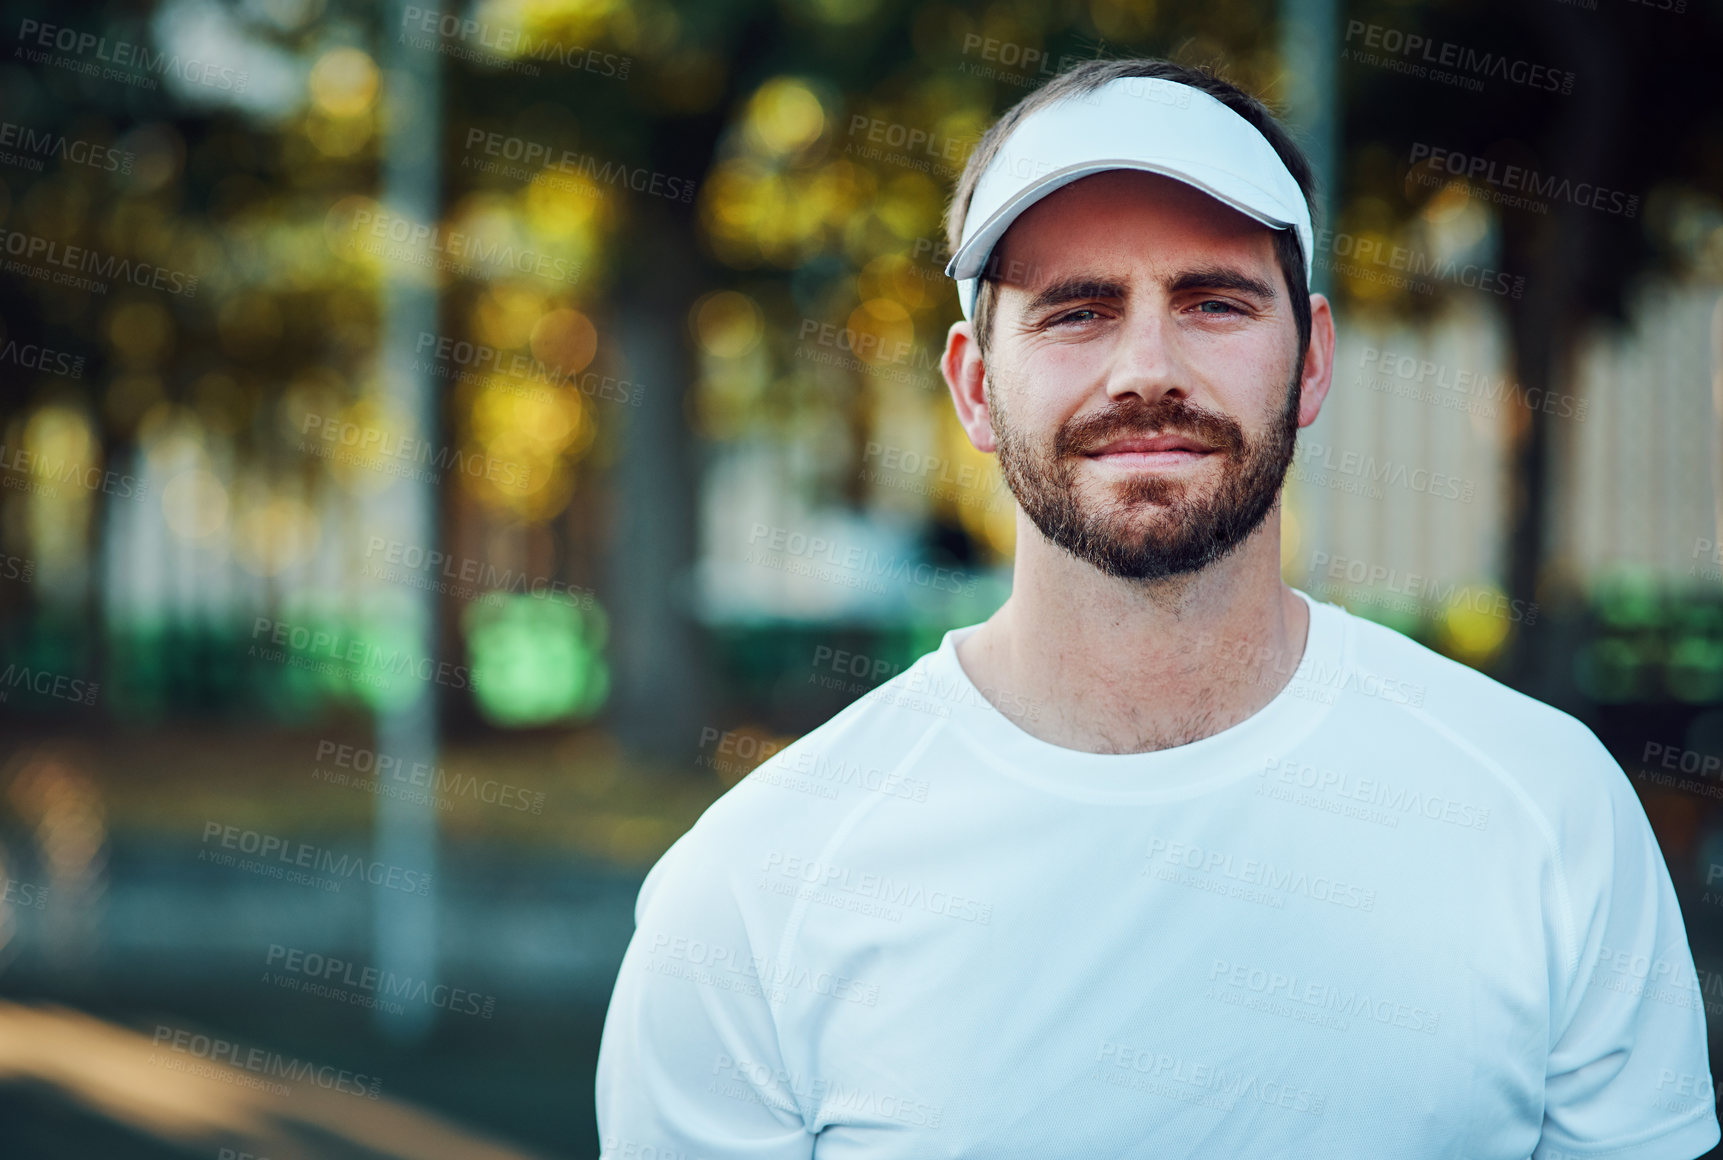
(1164, 859)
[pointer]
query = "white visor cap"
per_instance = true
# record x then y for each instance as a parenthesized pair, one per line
(1145, 123)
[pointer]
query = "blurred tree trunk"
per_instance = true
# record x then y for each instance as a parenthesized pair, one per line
(1560, 259)
(659, 698)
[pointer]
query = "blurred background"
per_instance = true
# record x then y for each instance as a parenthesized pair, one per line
(444, 448)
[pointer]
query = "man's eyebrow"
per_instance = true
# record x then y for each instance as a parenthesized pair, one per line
(1070, 289)
(1221, 278)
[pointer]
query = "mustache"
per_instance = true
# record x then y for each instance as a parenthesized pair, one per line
(1133, 415)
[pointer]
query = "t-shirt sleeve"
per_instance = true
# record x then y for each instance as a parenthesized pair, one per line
(689, 1064)
(1628, 1075)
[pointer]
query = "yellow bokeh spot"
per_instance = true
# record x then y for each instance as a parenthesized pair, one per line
(1450, 200)
(338, 136)
(369, 444)
(550, 420)
(1474, 625)
(194, 504)
(273, 536)
(566, 205)
(172, 437)
(894, 276)
(784, 116)
(528, 441)
(505, 315)
(564, 340)
(344, 82)
(882, 331)
(141, 332)
(910, 205)
(728, 324)
(58, 436)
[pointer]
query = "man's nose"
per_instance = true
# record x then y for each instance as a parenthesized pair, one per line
(1147, 359)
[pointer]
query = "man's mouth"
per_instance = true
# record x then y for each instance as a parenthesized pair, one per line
(1151, 451)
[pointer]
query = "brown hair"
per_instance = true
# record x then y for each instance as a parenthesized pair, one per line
(1085, 78)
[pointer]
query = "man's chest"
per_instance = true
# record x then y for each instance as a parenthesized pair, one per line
(1184, 989)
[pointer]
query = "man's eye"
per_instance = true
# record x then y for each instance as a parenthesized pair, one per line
(1223, 307)
(1076, 316)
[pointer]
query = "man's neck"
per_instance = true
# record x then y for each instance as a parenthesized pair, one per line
(1119, 666)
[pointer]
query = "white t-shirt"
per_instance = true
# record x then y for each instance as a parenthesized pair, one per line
(1400, 912)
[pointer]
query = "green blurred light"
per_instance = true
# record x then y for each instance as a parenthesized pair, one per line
(536, 660)
(1695, 672)
(1629, 599)
(1611, 670)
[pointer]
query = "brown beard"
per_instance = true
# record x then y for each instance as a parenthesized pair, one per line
(1193, 532)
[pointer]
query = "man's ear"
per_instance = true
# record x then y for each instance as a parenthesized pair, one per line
(1318, 373)
(967, 378)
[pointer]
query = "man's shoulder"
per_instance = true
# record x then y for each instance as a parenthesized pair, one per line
(795, 801)
(1544, 750)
